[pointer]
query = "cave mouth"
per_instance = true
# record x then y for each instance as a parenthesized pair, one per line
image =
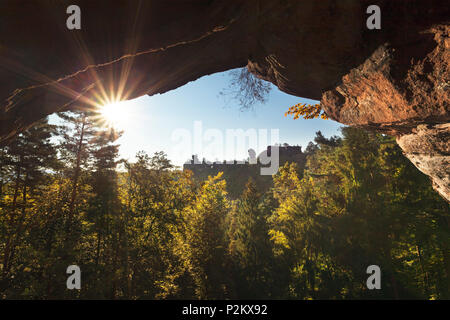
(210, 107)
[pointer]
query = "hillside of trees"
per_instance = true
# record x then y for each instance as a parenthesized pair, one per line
(147, 230)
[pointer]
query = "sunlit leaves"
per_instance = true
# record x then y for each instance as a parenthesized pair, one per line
(307, 111)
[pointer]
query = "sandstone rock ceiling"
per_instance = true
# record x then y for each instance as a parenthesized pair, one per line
(394, 80)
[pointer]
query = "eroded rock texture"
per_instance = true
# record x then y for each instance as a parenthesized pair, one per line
(404, 91)
(393, 91)
(429, 149)
(391, 80)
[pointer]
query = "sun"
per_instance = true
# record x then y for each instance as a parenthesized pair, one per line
(114, 114)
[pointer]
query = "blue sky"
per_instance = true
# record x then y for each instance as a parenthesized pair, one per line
(150, 122)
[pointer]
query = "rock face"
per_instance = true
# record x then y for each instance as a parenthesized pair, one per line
(393, 92)
(428, 148)
(394, 80)
(404, 90)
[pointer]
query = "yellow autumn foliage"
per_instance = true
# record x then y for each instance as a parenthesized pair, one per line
(307, 111)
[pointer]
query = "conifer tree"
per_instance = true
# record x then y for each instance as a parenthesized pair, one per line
(205, 246)
(249, 245)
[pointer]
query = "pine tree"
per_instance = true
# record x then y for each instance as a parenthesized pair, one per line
(249, 245)
(204, 239)
(25, 164)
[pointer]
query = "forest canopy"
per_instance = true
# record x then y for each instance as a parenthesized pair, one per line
(152, 231)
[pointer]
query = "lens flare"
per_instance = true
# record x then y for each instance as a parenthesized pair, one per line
(114, 114)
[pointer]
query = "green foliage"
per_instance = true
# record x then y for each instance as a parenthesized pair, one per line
(355, 207)
(204, 246)
(249, 245)
(150, 231)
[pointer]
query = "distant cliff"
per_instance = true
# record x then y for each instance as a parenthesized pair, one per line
(237, 173)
